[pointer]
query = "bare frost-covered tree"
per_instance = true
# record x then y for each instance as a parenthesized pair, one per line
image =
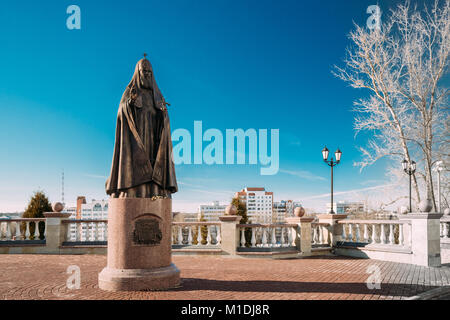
(402, 64)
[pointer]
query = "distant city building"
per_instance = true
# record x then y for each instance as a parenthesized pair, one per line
(10, 215)
(259, 204)
(346, 207)
(184, 217)
(96, 210)
(283, 209)
(211, 212)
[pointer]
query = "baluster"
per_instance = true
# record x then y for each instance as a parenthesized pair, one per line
(36, 230)
(69, 231)
(314, 234)
(1, 230)
(27, 232)
(92, 233)
(208, 237)
(242, 237)
(409, 243)
(105, 231)
(366, 233)
(95, 231)
(374, 233)
(8, 230)
(357, 232)
(189, 235)
(199, 236)
(82, 231)
(283, 242)
(100, 231)
(264, 237)
(77, 232)
(391, 234)
(219, 236)
(174, 234)
(18, 233)
(350, 232)
(344, 235)
(274, 238)
(290, 236)
(179, 237)
(88, 232)
(320, 230)
(45, 229)
(329, 235)
(253, 241)
(441, 229)
(446, 235)
(400, 234)
(383, 239)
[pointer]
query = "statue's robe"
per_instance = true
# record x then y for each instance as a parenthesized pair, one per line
(142, 164)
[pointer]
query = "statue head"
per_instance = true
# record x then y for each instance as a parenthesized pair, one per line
(143, 79)
(145, 73)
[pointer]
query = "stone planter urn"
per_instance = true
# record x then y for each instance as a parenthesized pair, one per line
(57, 207)
(447, 212)
(425, 205)
(230, 210)
(404, 210)
(299, 212)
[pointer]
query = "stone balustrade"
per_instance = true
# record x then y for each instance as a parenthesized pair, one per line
(86, 230)
(416, 238)
(22, 229)
(445, 229)
(196, 233)
(375, 232)
(267, 235)
(320, 232)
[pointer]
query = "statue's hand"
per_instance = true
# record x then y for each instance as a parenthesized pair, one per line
(164, 104)
(133, 94)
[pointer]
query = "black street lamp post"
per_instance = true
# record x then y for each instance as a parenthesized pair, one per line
(331, 163)
(409, 168)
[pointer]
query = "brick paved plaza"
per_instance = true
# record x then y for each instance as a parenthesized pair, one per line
(209, 277)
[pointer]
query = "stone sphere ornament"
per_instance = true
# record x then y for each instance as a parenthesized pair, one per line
(57, 207)
(404, 210)
(447, 212)
(299, 212)
(425, 205)
(230, 210)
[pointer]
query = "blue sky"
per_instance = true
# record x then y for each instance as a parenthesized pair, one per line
(231, 64)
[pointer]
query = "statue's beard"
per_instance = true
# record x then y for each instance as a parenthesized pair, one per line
(146, 83)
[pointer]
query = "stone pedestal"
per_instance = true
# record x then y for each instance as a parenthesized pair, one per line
(56, 231)
(335, 232)
(425, 238)
(303, 243)
(229, 233)
(139, 246)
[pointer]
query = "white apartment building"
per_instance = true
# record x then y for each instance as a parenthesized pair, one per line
(347, 207)
(259, 204)
(96, 210)
(283, 209)
(211, 212)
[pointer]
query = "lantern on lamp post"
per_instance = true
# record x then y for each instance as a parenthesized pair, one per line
(332, 163)
(409, 168)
